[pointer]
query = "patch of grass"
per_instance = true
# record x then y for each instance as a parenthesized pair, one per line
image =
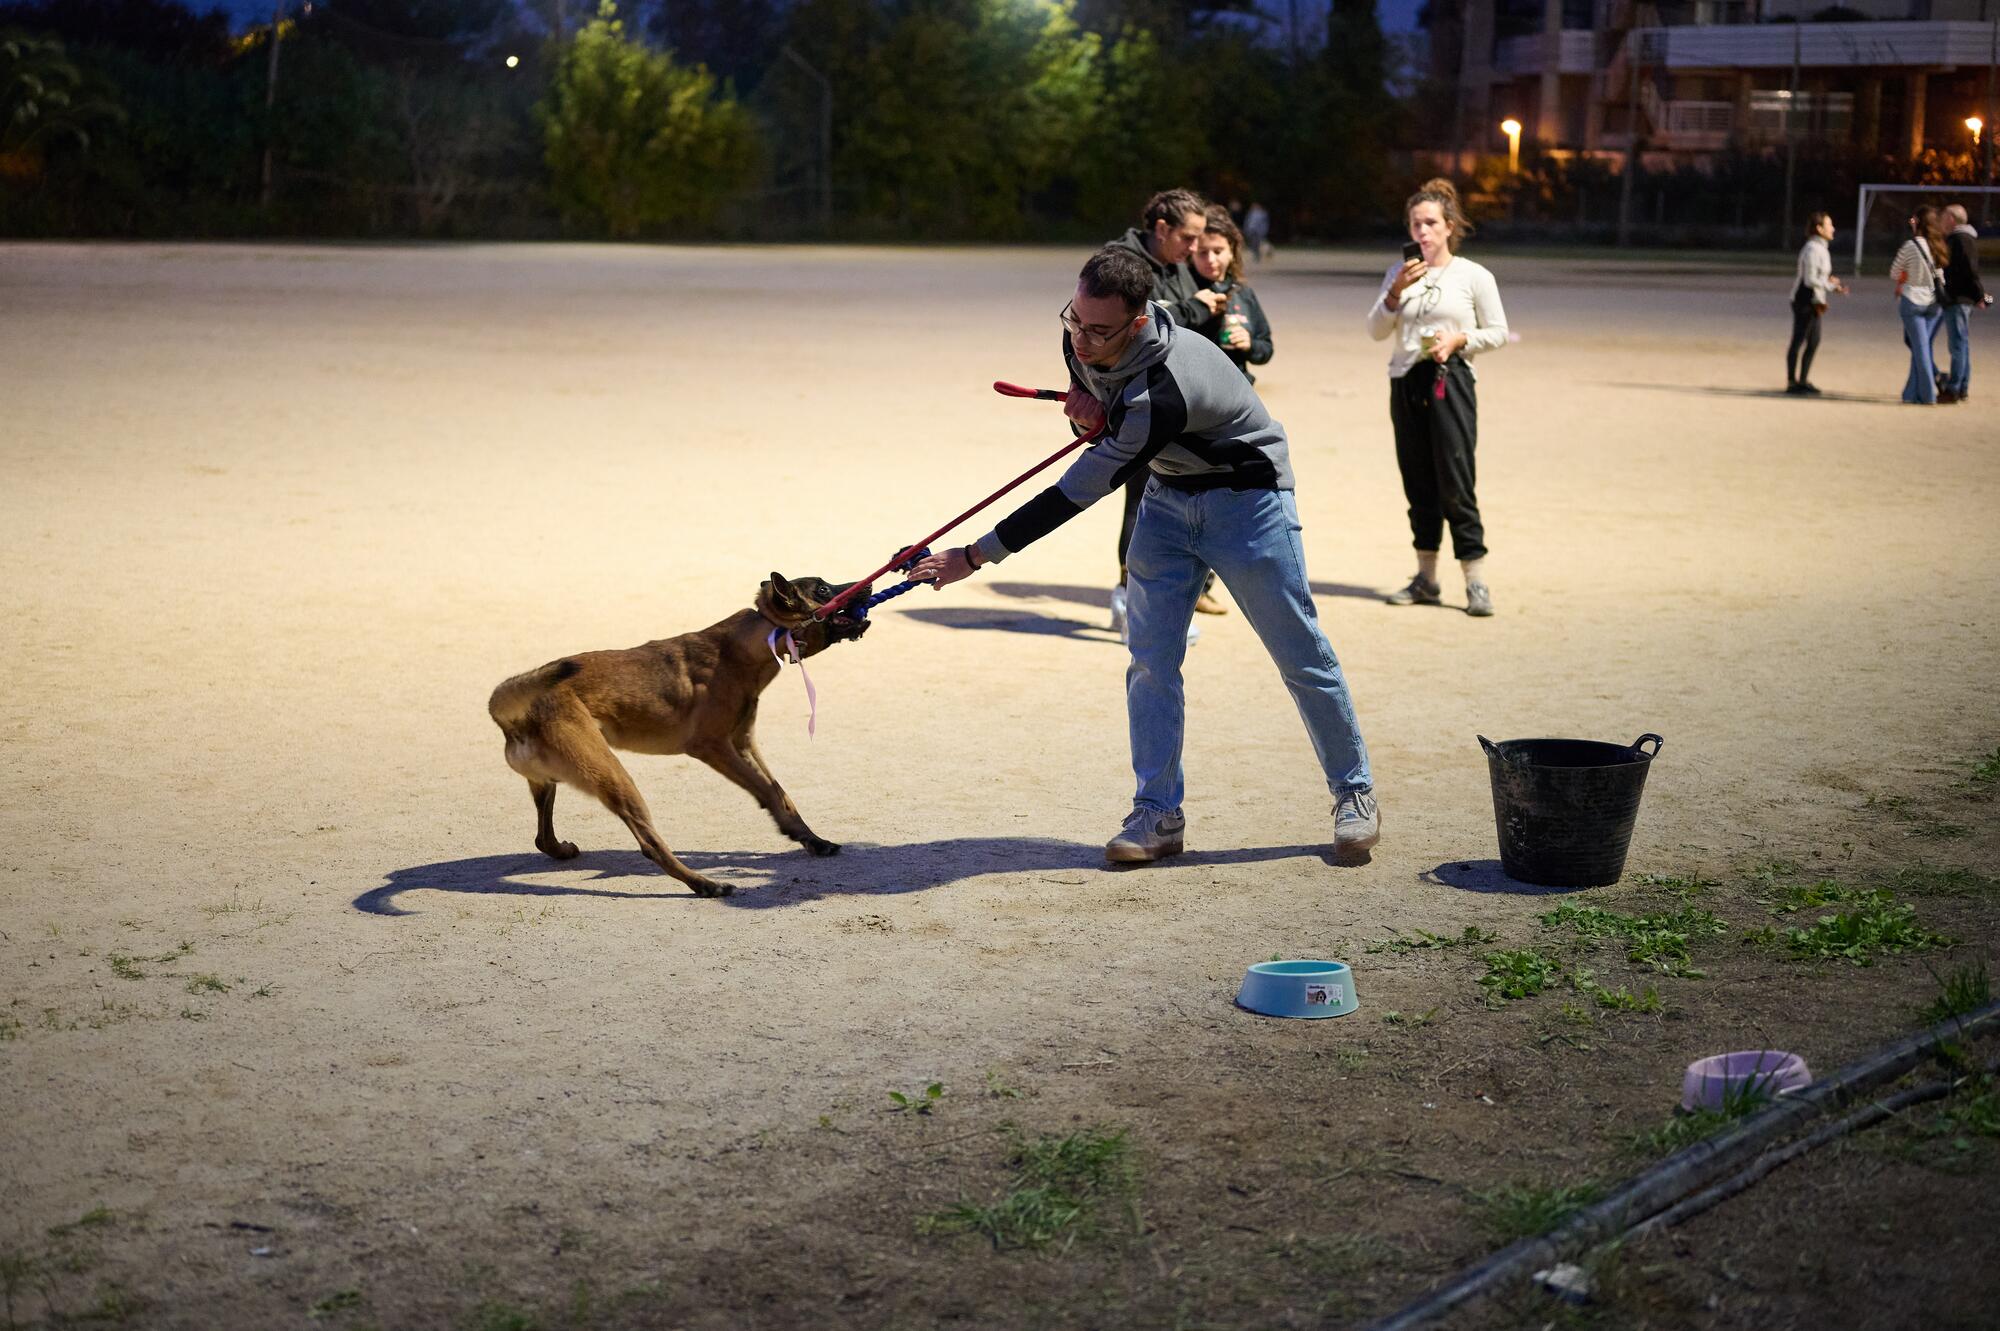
(97, 1217)
(1060, 1185)
(1412, 1020)
(1915, 822)
(264, 991)
(10, 1028)
(1811, 896)
(1520, 973)
(235, 905)
(921, 1102)
(168, 958)
(1966, 989)
(1661, 940)
(1622, 999)
(1986, 771)
(494, 1315)
(208, 984)
(1924, 881)
(1514, 1212)
(1767, 873)
(338, 1301)
(1978, 1112)
(999, 1089)
(1679, 884)
(1878, 925)
(124, 967)
(1687, 1127)
(1423, 939)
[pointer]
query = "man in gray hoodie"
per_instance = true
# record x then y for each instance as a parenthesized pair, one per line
(1218, 496)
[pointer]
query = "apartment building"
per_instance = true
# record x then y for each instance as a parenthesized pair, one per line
(1696, 76)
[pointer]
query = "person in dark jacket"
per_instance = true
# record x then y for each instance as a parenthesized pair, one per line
(1174, 220)
(1241, 328)
(1963, 293)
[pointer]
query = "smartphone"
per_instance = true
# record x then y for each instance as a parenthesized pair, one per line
(1412, 250)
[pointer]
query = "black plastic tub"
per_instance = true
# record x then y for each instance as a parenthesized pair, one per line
(1565, 808)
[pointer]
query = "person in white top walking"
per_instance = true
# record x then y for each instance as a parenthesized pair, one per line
(1812, 291)
(1918, 274)
(1442, 310)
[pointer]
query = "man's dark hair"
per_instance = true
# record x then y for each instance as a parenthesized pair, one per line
(1117, 271)
(1171, 205)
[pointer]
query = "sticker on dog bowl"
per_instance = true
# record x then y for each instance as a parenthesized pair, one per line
(1322, 995)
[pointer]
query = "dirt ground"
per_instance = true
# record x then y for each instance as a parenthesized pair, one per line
(300, 1030)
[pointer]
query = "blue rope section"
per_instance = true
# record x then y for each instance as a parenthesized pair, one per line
(898, 589)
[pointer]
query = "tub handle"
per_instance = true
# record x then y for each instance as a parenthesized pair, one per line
(1492, 749)
(1639, 745)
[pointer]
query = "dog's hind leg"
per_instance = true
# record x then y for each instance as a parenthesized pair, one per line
(737, 759)
(588, 763)
(544, 793)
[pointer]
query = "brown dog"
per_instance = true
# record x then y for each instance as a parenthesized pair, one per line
(695, 694)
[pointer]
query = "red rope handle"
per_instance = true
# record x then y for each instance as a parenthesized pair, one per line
(1007, 390)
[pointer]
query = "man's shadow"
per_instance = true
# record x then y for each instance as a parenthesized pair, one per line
(766, 880)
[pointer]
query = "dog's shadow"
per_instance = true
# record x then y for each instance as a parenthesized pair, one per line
(769, 879)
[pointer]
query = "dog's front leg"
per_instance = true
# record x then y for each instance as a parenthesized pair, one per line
(737, 765)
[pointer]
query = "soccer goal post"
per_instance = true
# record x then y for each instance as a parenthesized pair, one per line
(1869, 193)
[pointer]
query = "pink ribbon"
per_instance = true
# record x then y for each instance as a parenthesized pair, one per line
(812, 694)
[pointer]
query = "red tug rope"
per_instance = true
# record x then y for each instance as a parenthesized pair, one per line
(903, 556)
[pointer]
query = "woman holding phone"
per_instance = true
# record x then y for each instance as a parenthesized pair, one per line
(1442, 310)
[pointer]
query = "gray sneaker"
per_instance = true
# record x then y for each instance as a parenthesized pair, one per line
(1148, 836)
(1421, 591)
(1478, 600)
(1357, 823)
(1118, 610)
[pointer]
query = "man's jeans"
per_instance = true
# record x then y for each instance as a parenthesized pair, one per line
(1251, 539)
(1919, 331)
(1958, 336)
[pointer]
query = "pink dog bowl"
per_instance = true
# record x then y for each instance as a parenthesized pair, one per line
(1764, 1073)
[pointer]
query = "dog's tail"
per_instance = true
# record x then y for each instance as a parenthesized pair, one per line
(510, 702)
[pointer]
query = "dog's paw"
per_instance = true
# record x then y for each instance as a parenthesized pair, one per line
(822, 848)
(558, 850)
(708, 887)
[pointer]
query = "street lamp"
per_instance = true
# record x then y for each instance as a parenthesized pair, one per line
(513, 60)
(1975, 124)
(1512, 129)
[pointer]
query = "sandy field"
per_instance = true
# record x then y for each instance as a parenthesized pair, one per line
(301, 1030)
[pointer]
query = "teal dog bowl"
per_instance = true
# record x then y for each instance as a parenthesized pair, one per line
(1298, 989)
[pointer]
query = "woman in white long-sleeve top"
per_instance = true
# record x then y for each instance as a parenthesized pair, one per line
(1442, 310)
(1918, 272)
(1812, 290)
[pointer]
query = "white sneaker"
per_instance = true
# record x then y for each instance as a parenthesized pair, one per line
(1357, 823)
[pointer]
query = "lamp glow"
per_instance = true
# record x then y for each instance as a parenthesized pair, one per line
(1975, 124)
(1512, 129)
(513, 60)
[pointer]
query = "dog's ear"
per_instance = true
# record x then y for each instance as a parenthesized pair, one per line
(783, 592)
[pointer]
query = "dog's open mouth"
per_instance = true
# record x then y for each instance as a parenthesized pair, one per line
(844, 625)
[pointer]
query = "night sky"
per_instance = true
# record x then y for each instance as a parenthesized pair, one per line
(1397, 15)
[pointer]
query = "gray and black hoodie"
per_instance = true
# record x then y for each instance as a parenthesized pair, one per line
(1174, 403)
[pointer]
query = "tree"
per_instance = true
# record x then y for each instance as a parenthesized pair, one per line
(634, 140)
(42, 102)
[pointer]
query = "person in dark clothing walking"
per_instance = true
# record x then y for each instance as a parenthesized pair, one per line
(1963, 293)
(1172, 223)
(1812, 288)
(1442, 310)
(1241, 328)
